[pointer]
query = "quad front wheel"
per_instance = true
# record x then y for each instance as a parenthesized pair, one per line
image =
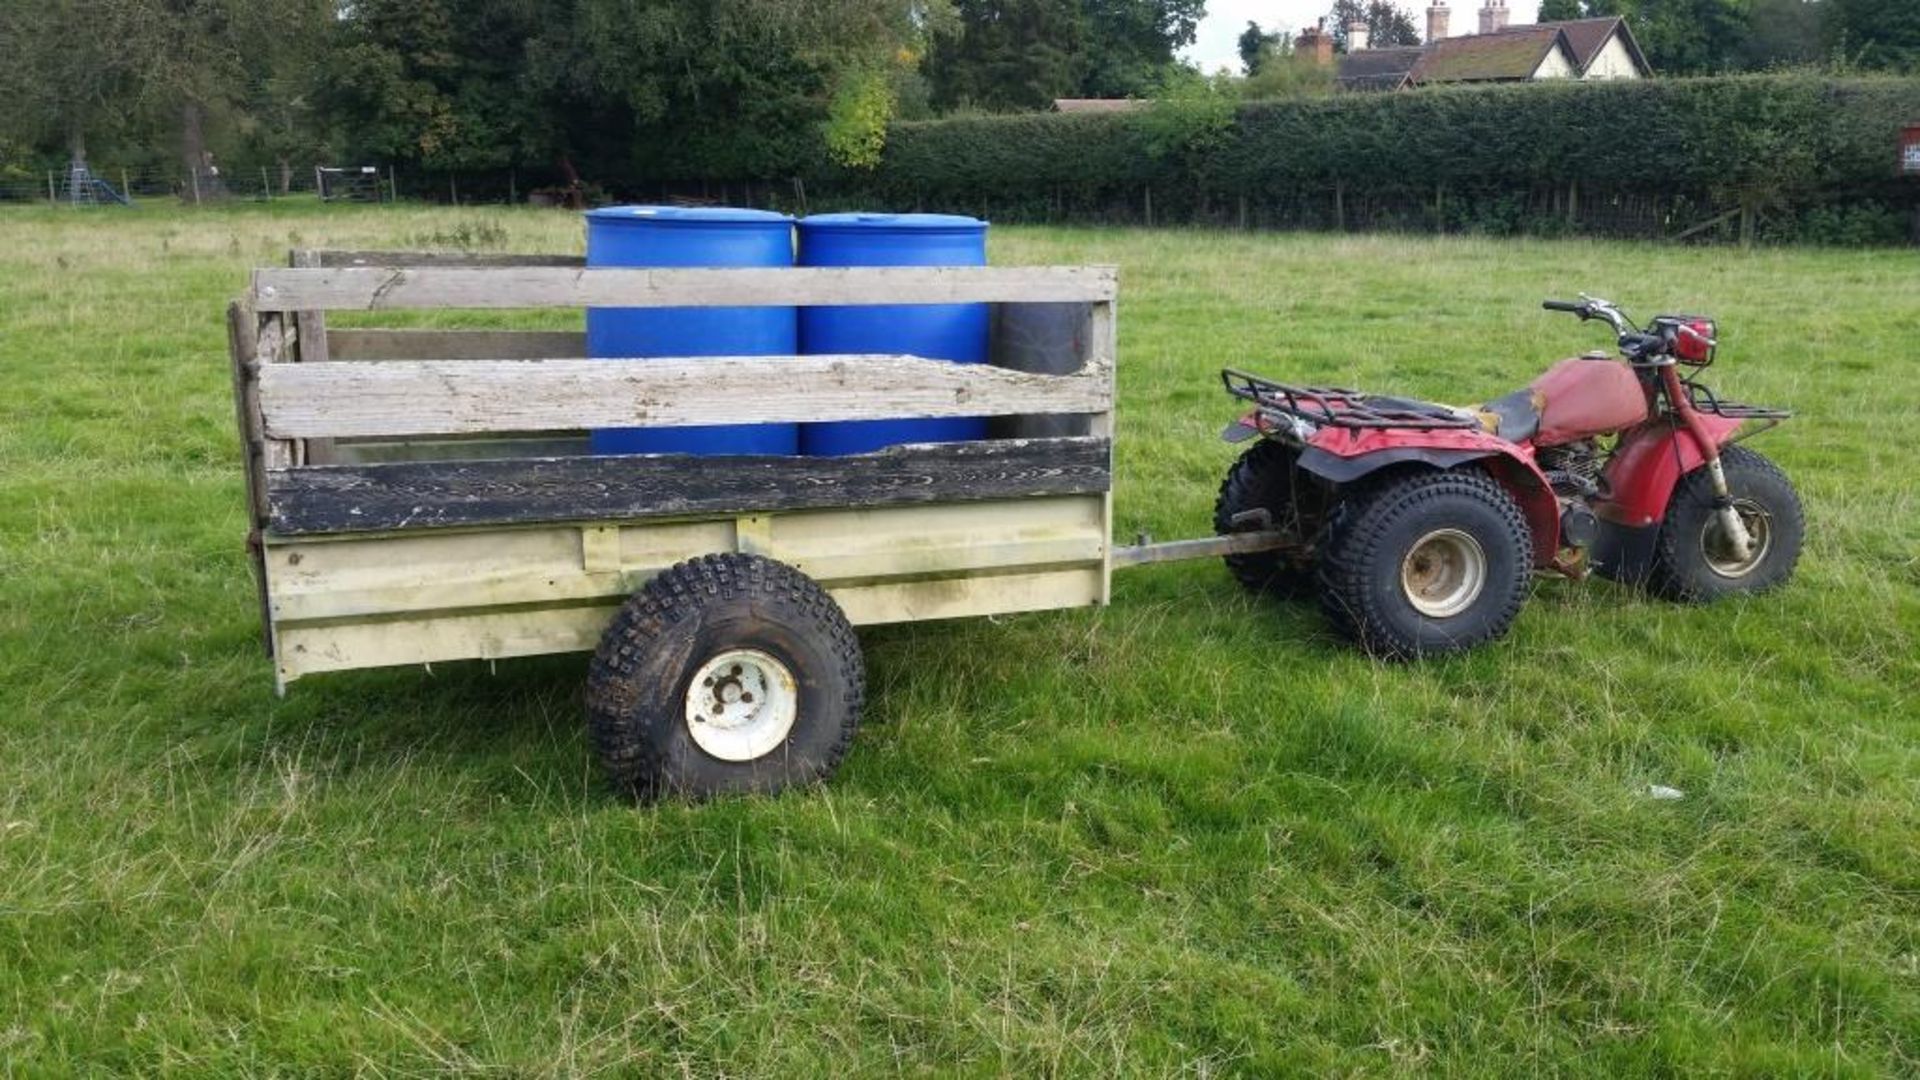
(726, 673)
(1425, 563)
(1694, 559)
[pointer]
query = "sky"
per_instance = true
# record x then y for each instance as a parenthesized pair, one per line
(1220, 30)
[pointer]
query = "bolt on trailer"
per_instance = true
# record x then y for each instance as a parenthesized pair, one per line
(422, 495)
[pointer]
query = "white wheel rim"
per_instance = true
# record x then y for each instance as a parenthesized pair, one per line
(1718, 548)
(1444, 573)
(741, 705)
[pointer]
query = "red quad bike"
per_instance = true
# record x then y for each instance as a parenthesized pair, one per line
(1421, 522)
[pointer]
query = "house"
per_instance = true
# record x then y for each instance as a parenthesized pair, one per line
(1588, 49)
(1099, 105)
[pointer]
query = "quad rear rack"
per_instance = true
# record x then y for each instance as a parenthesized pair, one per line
(1336, 407)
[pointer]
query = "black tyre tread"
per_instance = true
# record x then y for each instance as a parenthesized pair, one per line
(1664, 576)
(1356, 529)
(1253, 482)
(631, 761)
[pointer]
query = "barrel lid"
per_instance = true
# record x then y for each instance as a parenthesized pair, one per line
(688, 215)
(915, 222)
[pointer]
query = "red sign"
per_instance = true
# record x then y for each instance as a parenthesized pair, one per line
(1910, 150)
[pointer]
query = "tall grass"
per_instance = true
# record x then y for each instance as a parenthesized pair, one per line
(1188, 833)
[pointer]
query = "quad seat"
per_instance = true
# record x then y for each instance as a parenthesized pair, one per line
(1514, 417)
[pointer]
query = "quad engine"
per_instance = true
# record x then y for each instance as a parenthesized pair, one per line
(1574, 470)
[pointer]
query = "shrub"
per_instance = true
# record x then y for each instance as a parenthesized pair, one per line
(1478, 156)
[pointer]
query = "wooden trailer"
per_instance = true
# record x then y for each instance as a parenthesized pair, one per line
(425, 494)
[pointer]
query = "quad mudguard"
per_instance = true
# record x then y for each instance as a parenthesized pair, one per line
(1646, 467)
(1343, 455)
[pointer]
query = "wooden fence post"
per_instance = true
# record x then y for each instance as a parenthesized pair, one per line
(1149, 207)
(126, 189)
(266, 185)
(52, 198)
(1340, 205)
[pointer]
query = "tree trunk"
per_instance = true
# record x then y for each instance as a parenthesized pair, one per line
(203, 179)
(77, 144)
(286, 176)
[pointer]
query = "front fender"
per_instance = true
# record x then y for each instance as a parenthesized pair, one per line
(1344, 455)
(1649, 463)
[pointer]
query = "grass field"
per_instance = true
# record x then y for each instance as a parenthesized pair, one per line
(1186, 834)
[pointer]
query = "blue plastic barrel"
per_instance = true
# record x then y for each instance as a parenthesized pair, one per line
(691, 237)
(956, 332)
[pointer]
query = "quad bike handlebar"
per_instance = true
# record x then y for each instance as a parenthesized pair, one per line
(1637, 347)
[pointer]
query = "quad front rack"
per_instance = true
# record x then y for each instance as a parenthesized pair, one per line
(1707, 401)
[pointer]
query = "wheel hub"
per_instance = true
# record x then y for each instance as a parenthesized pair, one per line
(1723, 556)
(1443, 573)
(741, 704)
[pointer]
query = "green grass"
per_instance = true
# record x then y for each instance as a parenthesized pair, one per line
(1188, 833)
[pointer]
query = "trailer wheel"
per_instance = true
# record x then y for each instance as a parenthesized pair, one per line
(1426, 563)
(1265, 479)
(1693, 560)
(726, 673)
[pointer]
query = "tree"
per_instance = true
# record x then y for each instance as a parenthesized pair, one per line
(1387, 25)
(1783, 32)
(1560, 10)
(80, 70)
(1131, 44)
(717, 89)
(1007, 54)
(1285, 73)
(443, 83)
(1022, 54)
(75, 70)
(1881, 34)
(1682, 37)
(1255, 44)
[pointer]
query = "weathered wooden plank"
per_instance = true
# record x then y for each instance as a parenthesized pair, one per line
(458, 397)
(497, 635)
(420, 495)
(243, 336)
(1104, 342)
(330, 257)
(271, 350)
(377, 288)
(310, 336)
(311, 325)
(433, 344)
(369, 600)
(461, 448)
(553, 588)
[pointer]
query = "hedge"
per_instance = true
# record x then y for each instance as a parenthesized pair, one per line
(1787, 145)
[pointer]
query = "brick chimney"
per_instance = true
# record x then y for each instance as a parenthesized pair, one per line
(1314, 41)
(1493, 17)
(1357, 34)
(1437, 16)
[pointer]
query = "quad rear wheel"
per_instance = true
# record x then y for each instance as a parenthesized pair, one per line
(1425, 563)
(1265, 489)
(726, 673)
